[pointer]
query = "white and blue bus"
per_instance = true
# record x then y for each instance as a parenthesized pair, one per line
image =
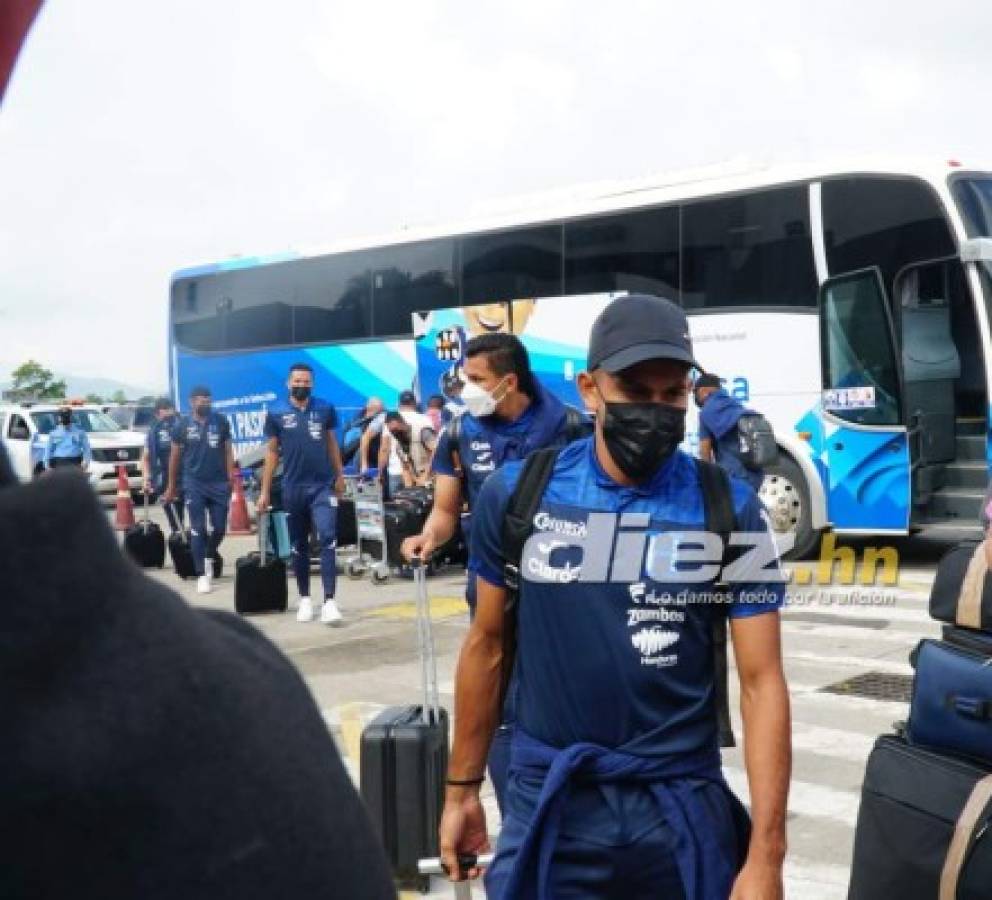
(849, 304)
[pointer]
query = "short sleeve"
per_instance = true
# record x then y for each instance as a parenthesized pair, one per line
(759, 583)
(271, 428)
(444, 457)
(179, 432)
(486, 559)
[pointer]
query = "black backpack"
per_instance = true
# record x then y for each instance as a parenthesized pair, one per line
(518, 524)
(756, 442)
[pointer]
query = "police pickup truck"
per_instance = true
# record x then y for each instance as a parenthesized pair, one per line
(24, 429)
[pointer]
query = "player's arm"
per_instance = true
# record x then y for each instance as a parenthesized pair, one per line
(268, 473)
(767, 750)
(174, 456)
(706, 449)
(334, 454)
(478, 680)
(385, 445)
(443, 520)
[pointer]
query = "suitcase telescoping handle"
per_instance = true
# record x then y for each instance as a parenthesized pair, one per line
(463, 889)
(425, 638)
(263, 522)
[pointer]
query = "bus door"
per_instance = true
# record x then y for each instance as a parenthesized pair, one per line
(865, 446)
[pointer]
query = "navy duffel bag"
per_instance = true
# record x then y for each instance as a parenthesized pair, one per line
(951, 709)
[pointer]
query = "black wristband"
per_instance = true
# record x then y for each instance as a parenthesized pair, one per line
(465, 782)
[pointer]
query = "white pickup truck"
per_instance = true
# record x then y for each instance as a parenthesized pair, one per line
(24, 430)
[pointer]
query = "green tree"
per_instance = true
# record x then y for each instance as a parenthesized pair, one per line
(118, 396)
(33, 380)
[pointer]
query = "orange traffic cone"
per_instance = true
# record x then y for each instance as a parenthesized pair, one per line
(238, 521)
(124, 517)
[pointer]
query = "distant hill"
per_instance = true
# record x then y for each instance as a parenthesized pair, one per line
(80, 386)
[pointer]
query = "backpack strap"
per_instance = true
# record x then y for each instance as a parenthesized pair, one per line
(718, 510)
(518, 523)
(718, 503)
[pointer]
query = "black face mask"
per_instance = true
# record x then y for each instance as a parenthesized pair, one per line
(203, 410)
(300, 393)
(641, 436)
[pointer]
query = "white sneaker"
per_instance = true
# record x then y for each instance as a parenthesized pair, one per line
(305, 612)
(208, 567)
(203, 584)
(330, 614)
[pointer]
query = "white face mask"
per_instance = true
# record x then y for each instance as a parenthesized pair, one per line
(478, 401)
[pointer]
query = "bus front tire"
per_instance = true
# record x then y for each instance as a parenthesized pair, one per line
(785, 495)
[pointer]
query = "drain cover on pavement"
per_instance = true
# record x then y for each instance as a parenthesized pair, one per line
(875, 685)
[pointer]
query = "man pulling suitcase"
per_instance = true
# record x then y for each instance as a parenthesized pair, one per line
(618, 791)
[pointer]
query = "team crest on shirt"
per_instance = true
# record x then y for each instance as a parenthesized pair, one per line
(192, 433)
(213, 439)
(314, 426)
(289, 420)
(652, 643)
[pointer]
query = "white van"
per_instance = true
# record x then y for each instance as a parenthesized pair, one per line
(24, 429)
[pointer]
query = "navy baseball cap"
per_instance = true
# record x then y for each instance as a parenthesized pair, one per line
(636, 328)
(408, 398)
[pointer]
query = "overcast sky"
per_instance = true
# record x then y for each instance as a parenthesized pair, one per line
(138, 137)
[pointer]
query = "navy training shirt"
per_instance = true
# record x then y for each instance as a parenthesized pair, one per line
(204, 448)
(158, 443)
(612, 647)
(485, 444)
(302, 436)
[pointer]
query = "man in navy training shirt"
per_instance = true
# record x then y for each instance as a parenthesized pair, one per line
(158, 446)
(615, 788)
(68, 444)
(302, 430)
(719, 440)
(508, 415)
(201, 444)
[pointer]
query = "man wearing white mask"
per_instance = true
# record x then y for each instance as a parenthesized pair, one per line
(508, 415)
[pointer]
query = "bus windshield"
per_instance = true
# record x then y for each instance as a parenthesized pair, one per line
(89, 420)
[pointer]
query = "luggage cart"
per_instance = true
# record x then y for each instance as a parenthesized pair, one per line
(370, 556)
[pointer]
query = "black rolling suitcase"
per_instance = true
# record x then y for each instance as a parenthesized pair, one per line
(180, 550)
(347, 523)
(145, 543)
(400, 520)
(260, 580)
(404, 760)
(924, 828)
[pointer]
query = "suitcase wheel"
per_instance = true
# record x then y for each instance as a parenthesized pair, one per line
(354, 569)
(379, 575)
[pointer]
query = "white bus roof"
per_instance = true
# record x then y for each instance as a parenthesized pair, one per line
(576, 202)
